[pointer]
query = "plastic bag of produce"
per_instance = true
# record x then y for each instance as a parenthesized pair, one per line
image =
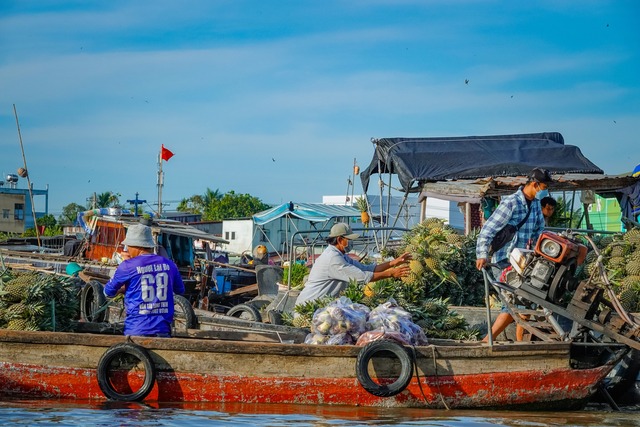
(316, 339)
(340, 317)
(390, 317)
(340, 339)
(379, 334)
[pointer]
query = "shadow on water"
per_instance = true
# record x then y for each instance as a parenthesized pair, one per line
(110, 413)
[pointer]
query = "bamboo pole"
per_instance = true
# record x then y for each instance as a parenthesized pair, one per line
(24, 160)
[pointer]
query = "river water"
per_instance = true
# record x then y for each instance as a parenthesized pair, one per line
(111, 414)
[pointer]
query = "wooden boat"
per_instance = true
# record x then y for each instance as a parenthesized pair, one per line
(104, 231)
(71, 365)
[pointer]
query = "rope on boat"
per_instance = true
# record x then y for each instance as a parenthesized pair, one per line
(435, 366)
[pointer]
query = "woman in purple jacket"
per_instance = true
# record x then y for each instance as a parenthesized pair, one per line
(148, 282)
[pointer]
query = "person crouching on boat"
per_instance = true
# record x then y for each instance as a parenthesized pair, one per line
(334, 268)
(148, 282)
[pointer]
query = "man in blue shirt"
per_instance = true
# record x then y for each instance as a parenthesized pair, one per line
(334, 268)
(148, 282)
(512, 210)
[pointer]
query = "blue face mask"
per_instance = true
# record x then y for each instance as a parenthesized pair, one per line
(542, 194)
(348, 247)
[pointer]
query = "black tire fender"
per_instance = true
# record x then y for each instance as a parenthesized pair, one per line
(138, 352)
(183, 310)
(246, 312)
(91, 300)
(362, 368)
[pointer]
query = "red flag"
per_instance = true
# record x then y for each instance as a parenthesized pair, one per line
(166, 154)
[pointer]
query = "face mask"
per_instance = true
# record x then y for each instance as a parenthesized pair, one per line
(542, 194)
(348, 247)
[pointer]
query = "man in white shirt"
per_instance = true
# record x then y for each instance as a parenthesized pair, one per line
(334, 268)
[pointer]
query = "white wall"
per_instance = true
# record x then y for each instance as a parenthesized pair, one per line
(239, 232)
(444, 209)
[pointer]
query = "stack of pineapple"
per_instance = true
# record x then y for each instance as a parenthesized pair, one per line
(33, 301)
(442, 271)
(443, 263)
(621, 261)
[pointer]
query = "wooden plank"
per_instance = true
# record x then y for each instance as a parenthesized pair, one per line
(244, 290)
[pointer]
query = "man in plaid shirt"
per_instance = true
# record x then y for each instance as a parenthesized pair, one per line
(512, 210)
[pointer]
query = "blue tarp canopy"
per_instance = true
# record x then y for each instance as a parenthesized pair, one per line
(314, 212)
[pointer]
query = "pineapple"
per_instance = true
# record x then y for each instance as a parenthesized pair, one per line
(416, 266)
(616, 261)
(632, 236)
(16, 289)
(17, 324)
(27, 299)
(16, 311)
(591, 257)
(629, 299)
(633, 268)
(432, 263)
(301, 322)
(618, 251)
(634, 256)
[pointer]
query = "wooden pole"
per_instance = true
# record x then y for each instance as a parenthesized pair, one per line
(24, 160)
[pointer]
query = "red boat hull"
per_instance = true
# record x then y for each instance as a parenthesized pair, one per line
(458, 376)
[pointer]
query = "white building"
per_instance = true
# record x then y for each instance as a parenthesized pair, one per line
(409, 211)
(239, 233)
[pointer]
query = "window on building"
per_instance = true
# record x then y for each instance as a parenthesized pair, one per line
(226, 235)
(233, 235)
(18, 211)
(5, 213)
(230, 235)
(264, 236)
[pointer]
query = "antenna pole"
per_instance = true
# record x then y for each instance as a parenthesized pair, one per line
(24, 160)
(353, 181)
(160, 184)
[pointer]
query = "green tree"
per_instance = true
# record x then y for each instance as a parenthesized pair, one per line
(106, 200)
(70, 213)
(233, 205)
(51, 227)
(197, 203)
(47, 220)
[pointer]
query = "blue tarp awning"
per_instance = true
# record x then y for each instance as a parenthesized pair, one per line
(314, 212)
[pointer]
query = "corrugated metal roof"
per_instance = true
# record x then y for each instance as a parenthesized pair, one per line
(168, 226)
(315, 212)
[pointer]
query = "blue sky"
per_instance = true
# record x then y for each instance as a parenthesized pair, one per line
(277, 98)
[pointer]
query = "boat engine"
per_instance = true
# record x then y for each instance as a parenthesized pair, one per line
(548, 271)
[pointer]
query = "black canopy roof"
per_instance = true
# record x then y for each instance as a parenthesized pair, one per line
(420, 160)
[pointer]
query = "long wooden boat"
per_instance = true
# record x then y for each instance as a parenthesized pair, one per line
(534, 375)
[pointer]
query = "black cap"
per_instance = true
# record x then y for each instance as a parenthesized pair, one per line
(540, 175)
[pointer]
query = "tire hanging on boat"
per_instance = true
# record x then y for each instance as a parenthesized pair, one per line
(92, 299)
(184, 311)
(136, 351)
(377, 348)
(245, 312)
